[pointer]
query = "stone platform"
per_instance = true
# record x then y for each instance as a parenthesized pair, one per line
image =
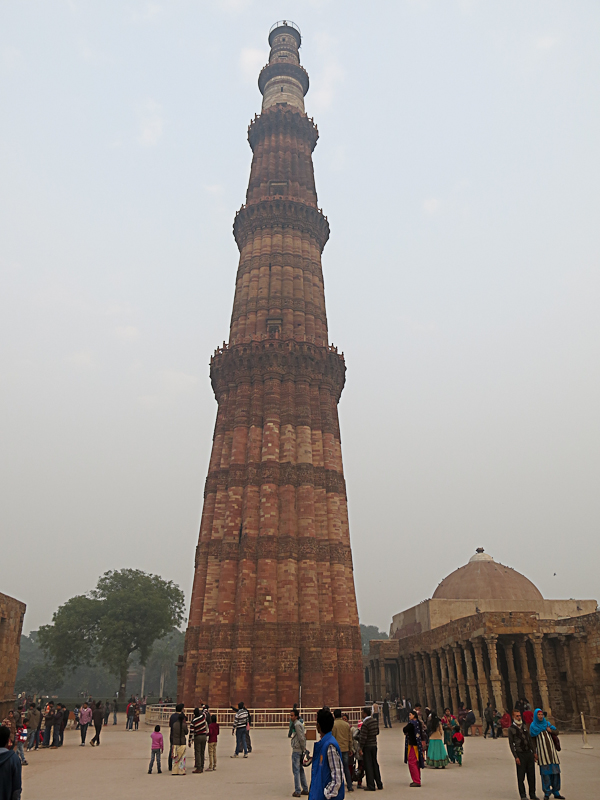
(119, 769)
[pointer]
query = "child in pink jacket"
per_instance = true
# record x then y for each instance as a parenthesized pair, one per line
(158, 747)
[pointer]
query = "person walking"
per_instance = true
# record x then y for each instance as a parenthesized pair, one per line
(547, 757)
(248, 739)
(387, 720)
(10, 768)
(469, 721)
(343, 736)
(198, 736)
(375, 710)
(298, 743)
(437, 756)
(48, 723)
(488, 716)
(33, 723)
(327, 776)
(136, 716)
(106, 711)
(114, 711)
(213, 735)
(97, 719)
(449, 725)
(172, 720)
(157, 747)
(240, 723)
(179, 731)
(85, 717)
(523, 750)
(458, 743)
(413, 748)
(38, 733)
(129, 714)
(63, 723)
(461, 715)
(56, 726)
(21, 737)
(367, 740)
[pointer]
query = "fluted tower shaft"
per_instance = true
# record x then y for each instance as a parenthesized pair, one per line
(273, 602)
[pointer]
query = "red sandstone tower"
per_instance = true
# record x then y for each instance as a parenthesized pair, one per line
(273, 603)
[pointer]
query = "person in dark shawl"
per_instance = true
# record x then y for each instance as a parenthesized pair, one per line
(547, 757)
(413, 748)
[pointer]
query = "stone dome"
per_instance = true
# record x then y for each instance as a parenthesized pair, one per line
(485, 579)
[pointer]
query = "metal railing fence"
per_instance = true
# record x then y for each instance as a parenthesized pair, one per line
(261, 717)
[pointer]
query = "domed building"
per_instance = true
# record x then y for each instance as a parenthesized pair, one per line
(488, 635)
(485, 579)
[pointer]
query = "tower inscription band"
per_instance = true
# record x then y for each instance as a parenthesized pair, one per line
(273, 611)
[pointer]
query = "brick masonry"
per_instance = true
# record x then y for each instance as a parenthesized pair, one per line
(273, 601)
(11, 624)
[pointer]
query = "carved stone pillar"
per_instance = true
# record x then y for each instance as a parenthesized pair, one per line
(579, 641)
(542, 680)
(410, 685)
(437, 688)
(460, 677)
(571, 682)
(385, 689)
(476, 701)
(526, 681)
(508, 645)
(431, 700)
(482, 681)
(403, 689)
(413, 679)
(418, 662)
(449, 656)
(445, 682)
(495, 677)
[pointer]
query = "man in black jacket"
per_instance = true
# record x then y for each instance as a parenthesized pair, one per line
(367, 741)
(172, 720)
(522, 747)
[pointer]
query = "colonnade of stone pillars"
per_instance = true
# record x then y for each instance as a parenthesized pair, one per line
(472, 672)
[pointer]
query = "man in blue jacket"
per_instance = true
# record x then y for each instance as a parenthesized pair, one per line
(327, 777)
(10, 769)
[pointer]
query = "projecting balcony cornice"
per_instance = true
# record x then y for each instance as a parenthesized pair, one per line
(272, 213)
(281, 69)
(280, 359)
(283, 119)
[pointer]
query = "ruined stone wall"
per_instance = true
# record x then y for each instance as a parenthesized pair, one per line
(436, 612)
(11, 624)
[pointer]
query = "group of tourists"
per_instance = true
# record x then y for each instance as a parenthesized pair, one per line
(202, 730)
(534, 743)
(347, 753)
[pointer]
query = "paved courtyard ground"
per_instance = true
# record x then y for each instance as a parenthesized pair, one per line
(119, 769)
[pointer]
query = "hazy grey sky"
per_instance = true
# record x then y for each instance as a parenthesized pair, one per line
(459, 167)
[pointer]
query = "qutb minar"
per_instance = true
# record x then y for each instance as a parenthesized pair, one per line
(273, 618)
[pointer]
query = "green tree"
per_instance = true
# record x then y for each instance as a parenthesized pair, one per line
(124, 615)
(368, 632)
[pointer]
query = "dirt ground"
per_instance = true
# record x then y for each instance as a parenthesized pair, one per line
(119, 769)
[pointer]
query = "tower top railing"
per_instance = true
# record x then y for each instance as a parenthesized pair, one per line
(286, 23)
